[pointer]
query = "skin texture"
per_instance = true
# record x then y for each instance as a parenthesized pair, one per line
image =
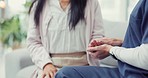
(99, 48)
(49, 71)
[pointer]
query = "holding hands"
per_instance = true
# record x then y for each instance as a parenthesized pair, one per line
(99, 48)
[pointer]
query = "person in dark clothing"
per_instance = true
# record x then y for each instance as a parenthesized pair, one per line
(132, 53)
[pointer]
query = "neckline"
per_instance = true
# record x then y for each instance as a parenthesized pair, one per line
(66, 9)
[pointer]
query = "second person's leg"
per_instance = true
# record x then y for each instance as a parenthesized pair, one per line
(87, 72)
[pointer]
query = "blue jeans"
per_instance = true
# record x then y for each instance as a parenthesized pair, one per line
(88, 72)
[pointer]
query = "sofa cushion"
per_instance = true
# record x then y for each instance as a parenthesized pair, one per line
(26, 72)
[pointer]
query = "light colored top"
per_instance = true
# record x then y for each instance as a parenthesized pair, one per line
(60, 38)
(37, 40)
(134, 56)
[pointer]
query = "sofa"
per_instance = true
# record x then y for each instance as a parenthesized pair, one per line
(18, 64)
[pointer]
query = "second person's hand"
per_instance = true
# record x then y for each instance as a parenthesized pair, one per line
(110, 41)
(100, 52)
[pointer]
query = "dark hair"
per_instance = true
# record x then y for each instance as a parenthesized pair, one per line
(77, 11)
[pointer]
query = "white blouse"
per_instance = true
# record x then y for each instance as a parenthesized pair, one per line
(60, 38)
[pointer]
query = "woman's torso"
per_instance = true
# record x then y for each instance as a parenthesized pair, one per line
(60, 38)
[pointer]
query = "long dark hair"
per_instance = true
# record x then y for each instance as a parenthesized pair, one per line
(77, 11)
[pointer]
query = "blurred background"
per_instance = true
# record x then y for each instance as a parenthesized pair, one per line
(13, 22)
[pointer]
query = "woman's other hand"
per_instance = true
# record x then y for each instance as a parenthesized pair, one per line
(94, 42)
(49, 71)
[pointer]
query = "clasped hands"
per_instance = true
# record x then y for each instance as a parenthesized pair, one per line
(99, 48)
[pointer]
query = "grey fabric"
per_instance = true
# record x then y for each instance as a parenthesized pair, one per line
(115, 29)
(26, 72)
(15, 61)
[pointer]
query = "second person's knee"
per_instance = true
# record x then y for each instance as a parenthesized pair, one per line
(65, 72)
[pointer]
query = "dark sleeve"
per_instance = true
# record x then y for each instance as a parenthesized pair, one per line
(145, 23)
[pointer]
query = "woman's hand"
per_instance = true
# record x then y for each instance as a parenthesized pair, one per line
(49, 71)
(94, 42)
(100, 52)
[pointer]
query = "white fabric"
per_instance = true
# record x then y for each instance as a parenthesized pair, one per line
(134, 56)
(60, 38)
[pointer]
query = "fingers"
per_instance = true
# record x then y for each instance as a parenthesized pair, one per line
(93, 43)
(48, 75)
(96, 53)
(54, 73)
(94, 49)
(110, 41)
(102, 56)
(104, 40)
(99, 51)
(51, 74)
(49, 71)
(99, 54)
(43, 75)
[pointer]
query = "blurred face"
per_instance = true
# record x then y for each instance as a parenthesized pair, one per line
(64, 0)
(2, 4)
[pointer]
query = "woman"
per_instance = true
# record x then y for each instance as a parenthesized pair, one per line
(60, 31)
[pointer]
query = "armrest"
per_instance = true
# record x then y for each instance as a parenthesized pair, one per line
(15, 61)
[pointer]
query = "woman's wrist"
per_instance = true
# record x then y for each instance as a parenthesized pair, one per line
(48, 64)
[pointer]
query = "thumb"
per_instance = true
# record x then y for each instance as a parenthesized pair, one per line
(91, 49)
